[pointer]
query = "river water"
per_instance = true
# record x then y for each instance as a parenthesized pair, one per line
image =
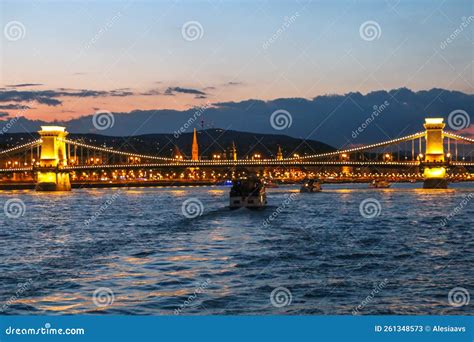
(346, 250)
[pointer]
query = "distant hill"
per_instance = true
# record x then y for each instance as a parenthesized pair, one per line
(211, 141)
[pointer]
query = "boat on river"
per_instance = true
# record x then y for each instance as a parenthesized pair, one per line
(311, 185)
(248, 193)
(380, 184)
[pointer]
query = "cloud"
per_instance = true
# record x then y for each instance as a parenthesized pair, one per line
(50, 97)
(173, 90)
(14, 106)
(3, 114)
(121, 92)
(233, 83)
(47, 97)
(24, 85)
(151, 92)
(328, 118)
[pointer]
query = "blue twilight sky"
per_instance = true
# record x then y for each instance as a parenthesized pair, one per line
(134, 55)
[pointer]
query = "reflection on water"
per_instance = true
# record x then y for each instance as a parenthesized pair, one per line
(318, 246)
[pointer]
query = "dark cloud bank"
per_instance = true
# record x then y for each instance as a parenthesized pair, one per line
(331, 118)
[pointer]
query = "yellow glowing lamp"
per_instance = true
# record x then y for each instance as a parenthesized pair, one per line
(53, 129)
(434, 121)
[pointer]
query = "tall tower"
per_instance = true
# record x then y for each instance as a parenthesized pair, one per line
(53, 158)
(279, 153)
(234, 151)
(434, 162)
(195, 151)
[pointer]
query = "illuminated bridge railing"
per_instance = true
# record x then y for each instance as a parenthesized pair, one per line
(126, 154)
(462, 163)
(366, 147)
(458, 137)
(172, 162)
(17, 169)
(244, 163)
(22, 147)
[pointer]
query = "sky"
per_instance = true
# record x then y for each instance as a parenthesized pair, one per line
(62, 60)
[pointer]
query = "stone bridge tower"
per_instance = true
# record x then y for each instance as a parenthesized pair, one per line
(53, 158)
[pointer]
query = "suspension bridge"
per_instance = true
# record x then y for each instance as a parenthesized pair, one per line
(53, 159)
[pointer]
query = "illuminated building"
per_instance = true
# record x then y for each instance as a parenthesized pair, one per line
(195, 149)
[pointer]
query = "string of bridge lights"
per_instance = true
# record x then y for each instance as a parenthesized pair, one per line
(458, 137)
(329, 154)
(462, 163)
(241, 162)
(102, 149)
(18, 169)
(368, 147)
(30, 144)
(174, 162)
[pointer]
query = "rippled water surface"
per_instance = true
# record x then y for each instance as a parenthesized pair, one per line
(142, 253)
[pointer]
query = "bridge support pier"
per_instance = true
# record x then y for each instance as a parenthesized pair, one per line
(435, 183)
(434, 163)
(53, 158)
(53, 181)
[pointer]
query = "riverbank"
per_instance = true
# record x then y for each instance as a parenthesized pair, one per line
(167, 183)
(79, 185)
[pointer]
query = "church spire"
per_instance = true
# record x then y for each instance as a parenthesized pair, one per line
(234, 151)
(279, 153)
(195, 151)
